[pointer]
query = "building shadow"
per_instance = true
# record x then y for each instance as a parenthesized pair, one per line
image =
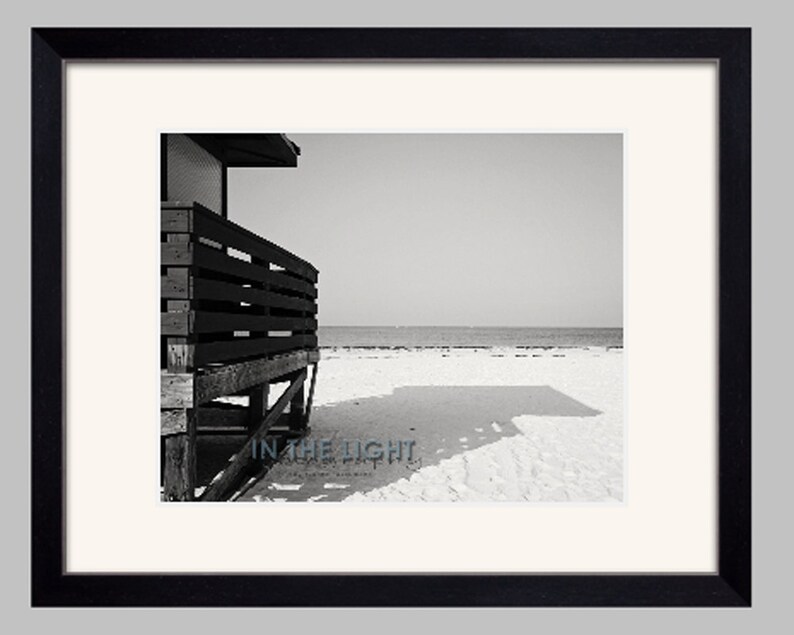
(429, 423)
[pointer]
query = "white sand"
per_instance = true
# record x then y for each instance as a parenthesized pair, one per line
(556, 432)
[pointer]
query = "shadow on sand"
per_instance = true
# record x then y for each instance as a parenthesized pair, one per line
(442, 421)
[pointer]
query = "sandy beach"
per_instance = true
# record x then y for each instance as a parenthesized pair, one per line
(459, 424)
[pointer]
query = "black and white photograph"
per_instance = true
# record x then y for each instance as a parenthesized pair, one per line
(392, 317)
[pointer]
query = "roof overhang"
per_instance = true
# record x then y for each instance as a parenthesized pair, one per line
(250, 150)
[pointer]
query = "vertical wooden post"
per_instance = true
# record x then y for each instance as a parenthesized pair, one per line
(258, 396)
(257, 408)
(179, 451)
(179, 470)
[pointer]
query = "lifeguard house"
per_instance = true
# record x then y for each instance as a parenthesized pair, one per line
(238, 314)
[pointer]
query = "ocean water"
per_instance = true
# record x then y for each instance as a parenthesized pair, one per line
(466, 337)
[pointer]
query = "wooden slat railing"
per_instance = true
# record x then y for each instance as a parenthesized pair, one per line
(238, 313)
(229, 308)
(195, 219)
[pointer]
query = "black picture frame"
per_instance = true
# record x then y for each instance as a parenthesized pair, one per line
(52, 48)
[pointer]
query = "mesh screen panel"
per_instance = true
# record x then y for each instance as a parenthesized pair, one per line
(193, 173)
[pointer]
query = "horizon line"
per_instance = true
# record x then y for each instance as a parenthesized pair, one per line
(448, 326)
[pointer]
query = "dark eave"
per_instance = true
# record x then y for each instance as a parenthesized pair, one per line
(250, 150)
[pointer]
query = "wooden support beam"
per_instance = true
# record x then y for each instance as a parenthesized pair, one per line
(278, 437)
(257, 407)
(219, 488)
(179, 468)
(219, 416)
(179, 452)
(259, 395)
(176, 389)
(310, 398)
(180, 351)
(234, 378)
(296, 408)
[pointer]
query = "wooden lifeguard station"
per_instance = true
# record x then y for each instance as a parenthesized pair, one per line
(238, 314)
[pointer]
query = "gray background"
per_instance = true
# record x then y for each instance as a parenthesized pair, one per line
(773, 227)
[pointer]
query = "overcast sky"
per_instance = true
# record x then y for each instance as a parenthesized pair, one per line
(449, 229)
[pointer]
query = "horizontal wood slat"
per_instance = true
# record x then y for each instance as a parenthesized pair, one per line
(227, 292)
(176, 286)
(178, 221)
(173, 286)
(205, 257)
(173, 422)
(176, 254)
(207, 224)
(221, 415)
(209, 322)
(278, 279)
(176, 390)
(210, 352)
(186, 323)
(177, 323)
(215, 227)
